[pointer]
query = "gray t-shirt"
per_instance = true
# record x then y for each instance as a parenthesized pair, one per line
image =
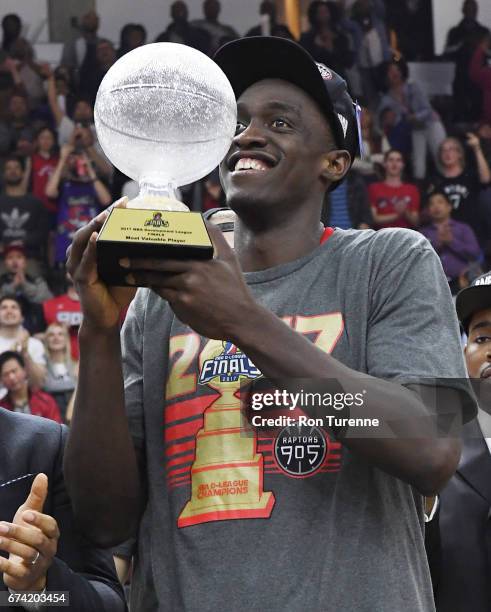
(226, 527)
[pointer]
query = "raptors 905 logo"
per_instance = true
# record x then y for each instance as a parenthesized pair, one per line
(300, 451)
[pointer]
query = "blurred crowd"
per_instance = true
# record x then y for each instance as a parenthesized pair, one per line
(425, 162)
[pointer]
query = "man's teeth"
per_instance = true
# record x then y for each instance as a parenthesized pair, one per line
(246, 163)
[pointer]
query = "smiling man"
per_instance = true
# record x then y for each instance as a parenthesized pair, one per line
(459, 535)
(227, 517)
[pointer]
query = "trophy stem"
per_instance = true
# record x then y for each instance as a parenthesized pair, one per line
(157, 196)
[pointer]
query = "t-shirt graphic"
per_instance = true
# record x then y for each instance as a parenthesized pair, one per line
(77, 206)
(211, 447)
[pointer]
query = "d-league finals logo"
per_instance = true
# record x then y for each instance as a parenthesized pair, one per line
(157, 221)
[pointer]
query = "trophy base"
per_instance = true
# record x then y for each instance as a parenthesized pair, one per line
(138, 233)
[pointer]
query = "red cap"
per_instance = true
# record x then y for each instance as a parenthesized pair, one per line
(14, 246)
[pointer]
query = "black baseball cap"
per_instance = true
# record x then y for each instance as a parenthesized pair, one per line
(474, 298)
(248, 60)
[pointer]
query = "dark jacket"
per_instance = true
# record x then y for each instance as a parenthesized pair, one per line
(458, 539)
(30, 445)
(358, 203)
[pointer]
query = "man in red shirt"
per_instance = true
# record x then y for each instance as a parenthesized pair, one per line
(20, 398)
(393, 202)
(65, 309)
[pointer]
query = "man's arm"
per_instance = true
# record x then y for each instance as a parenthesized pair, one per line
(107, 503)
(54, 105)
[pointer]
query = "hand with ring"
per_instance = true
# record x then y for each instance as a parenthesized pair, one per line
(31, 540)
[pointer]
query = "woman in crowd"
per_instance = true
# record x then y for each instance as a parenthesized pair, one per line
(405, 112)
(61, 369)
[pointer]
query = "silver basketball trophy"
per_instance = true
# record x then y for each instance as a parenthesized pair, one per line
(165, 115)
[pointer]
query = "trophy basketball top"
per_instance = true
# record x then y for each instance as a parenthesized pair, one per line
(165, 115)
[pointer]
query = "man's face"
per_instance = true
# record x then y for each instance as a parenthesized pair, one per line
(277, 154)
(18, 107)
(179, 12)
(82, 112)
(394, 165)
(15, 262)
(13, 375)
(439, 208)
(470, 9)
(10, 314)
(12, 173)
(211, 9)
(90, 22)
(478, 354)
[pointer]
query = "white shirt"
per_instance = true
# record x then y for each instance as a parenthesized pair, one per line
(35, 348)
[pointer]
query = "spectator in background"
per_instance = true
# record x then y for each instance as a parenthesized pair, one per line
(23, 217)
(411, 111)
(14, 337)
(325, 42)
(267, 13)
(80, 126)
(394, 203)
(31, 472)
(81, 195)
(75, 51)
(210, 24)
(480, 73)
(462, 185)
(181, 31)
(21, 396)
(17, 126)
(406, 18)
(375, 144)
(462, 40)
(30, 291)
(42, 164)
(371, 45)
(12, 27)
(455, 242)
(61, 374)
(94, 67)
(132, 35)
(65, 310)
(348, 205)
(30, 72)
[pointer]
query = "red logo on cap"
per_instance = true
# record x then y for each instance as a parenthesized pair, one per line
(326, 74)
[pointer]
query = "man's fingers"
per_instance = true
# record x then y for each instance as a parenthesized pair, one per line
(15, 570)
(158, 280)
(222, 248)
(46, 523)
(27, 553)
(30, 536)
(121, 203)
(37, 495)
(87, 269)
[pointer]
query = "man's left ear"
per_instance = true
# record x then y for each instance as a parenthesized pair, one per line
(335, 165)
